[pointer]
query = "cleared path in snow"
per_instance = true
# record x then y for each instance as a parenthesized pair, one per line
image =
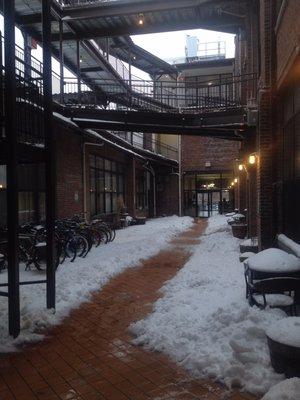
(90, 355)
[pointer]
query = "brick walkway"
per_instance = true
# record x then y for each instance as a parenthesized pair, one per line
(90, 356)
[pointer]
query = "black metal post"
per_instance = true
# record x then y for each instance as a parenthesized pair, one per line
(12, 169)
(50, 152)
(61, 61)
(27, 56)
(78, 69)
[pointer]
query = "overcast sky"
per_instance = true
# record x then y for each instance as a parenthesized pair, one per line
(172, 44)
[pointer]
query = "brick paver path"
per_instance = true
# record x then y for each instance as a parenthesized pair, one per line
(90, 355)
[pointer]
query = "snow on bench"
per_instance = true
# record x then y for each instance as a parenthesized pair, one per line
(274, 260)
(288, 245)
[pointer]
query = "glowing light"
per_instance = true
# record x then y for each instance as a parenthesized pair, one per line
(252, 159)
(235, 180)
(241, 167)
(1, 186)
(141, 20)
(232, 183)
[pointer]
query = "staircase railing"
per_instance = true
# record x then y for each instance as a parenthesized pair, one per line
(173, 96)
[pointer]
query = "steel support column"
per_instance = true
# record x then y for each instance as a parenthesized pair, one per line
(50, 152)
(12, 169)
(78, 69)
(61, 61)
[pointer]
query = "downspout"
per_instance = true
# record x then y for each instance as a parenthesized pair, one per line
(179, 177)
(84, 175)
(151, 170)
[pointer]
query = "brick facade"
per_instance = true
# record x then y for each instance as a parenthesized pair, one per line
(69, 173)
(196, 150)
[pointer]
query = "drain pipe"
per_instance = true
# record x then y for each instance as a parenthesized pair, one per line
(179, 177)
(84, 175)
(149, 168)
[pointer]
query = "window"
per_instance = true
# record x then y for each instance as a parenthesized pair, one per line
(106, 185)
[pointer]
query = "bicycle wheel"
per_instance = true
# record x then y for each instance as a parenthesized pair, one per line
(82, 245)
(70, 248)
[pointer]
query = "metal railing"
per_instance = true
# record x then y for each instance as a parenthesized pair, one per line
(147, 142)
(190, 97)
(73, 3)
(29, 109)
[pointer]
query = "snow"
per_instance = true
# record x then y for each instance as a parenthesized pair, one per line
(286, 331)
(76, 281)
(275, 300)
(247, 254)
(250, 242)
(274, 260)
(288, 389)
(289, 244)
(203, 321)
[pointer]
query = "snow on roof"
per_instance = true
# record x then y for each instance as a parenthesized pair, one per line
(285, 331)
(98, 136)
(274, 260)
(65, 119)
(288, 389)
(289, 244)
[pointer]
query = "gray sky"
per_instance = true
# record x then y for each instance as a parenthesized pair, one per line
(172, 44)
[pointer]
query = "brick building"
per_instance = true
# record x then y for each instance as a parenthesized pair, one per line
(272, 51)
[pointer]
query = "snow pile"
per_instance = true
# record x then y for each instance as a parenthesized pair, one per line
(274, 260)
(289, 244)
(285, 390)
(204, 322)
(75, 281)
(286, 331)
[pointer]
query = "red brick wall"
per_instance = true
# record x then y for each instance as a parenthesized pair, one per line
(69, 174)
(288, 38)
(196, 150)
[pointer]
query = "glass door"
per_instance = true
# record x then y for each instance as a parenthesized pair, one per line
(204, 204)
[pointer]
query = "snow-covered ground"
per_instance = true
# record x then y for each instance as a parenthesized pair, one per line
(203, 320)
(75, 281)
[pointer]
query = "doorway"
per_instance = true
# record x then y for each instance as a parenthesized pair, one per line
(208, 203)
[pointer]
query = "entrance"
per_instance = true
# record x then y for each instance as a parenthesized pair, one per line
(208, 203)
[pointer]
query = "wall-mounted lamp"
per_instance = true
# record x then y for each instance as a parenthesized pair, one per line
(141, 19)
(252, 159)
(241, 167)
(235, 180)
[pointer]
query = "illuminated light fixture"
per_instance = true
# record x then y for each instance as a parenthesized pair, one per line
(235, 180)
(210, 83)
(232, 183)
(1, 186)
(241, 167)
(141, 19)
(80, 59)
(252, 159)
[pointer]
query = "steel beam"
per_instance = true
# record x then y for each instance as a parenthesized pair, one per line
(214, 22)
(151, 128)
(121, 7)
(12, 170)
(50, 152)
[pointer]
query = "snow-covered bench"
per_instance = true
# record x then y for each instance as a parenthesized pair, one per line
(288, 245)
